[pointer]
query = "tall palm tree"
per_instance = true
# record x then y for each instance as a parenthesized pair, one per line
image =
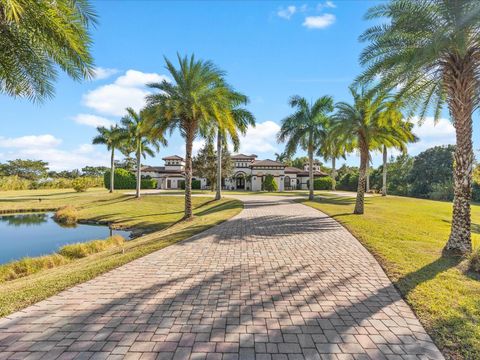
(242, 120)
(38, 36)
(435, 60)
(113, 138)
(361, 126)
(305, 128)
(139, 141)
(333, 148)
(197, 98)
(400, 134)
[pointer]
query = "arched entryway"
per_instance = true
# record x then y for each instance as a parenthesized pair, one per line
(240, 179)
(287, 183)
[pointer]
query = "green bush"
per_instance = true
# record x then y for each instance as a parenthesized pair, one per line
(476, 191)
(348, 182)
(67, 215)
(80, 184)
(81, 250)
(196, 184)
(124, 179)
(269, 183)
(323, 183)
(14, 182)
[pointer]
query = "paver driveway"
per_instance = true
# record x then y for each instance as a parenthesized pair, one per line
(278, 281)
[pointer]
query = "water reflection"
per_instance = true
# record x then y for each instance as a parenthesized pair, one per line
(35, 234)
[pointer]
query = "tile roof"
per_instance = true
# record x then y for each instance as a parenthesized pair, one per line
(292, 170)
(243, 156)
(172, 157)
(267, 162)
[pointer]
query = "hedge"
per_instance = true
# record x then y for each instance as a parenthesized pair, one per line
(323, 183)
(124, 179)
(196, 185)
(269, 183)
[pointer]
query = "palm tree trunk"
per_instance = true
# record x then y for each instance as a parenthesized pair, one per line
(334, 174)
(188, 175)
(384, 172)
(367, 176)
(461, 92)
(310, 173)
(139, 173)
(359, 203)
(112, 170)
(218, 194)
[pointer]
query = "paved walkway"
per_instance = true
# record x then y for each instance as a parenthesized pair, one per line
(279, 281)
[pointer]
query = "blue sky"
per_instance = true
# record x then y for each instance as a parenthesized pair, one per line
(269, 49)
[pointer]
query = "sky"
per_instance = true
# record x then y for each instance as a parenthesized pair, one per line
(270, 51)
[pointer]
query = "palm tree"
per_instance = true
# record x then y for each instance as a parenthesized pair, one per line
(333, 148)
(400, 134)
(113, 138)
(139, 141)
(435, 61)
(242, 120)
(305, 128)
(197, 98)
(361, 126)
(38, 36)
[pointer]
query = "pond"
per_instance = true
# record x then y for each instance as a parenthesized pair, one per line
(36, 234)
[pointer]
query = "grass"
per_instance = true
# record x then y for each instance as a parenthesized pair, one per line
(406, 236)
(156, 215)
(67, 215)
(81, 250)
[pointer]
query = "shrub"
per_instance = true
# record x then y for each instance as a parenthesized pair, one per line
(124, 179)
(323, 183)
(196, 184)
(476, 191)
(13, 183)
(81, 250)
(348, 182)
(80, 184)
(28, 266)
(67, 215)
(269, 183)
(474, 261)
(441, 191)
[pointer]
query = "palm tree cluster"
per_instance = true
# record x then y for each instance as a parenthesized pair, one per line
(198, 102)
(411, 67)
(133, 136)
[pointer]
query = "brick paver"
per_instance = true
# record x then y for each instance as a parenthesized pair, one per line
(278, 281)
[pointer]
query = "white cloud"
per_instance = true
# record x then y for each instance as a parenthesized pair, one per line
(287, 13)
(326, 5)
(103, 73)
(128, 90)
(262, 138)
(319, 22)
(92, 120)
(30, 141)
(431, 134)
(45, 147)
(196, 146)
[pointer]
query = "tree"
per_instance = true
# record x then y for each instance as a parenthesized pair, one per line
(94, 171)
(306, 128)
(435, 61)
(299, 162)
(138, 141)
(39, 36)
(284, 158)
(362, 125)
(25, 169)
(431, 169)
(113, 138)
(242, 119)
(205, 164)
(269, 183)
(197, 100)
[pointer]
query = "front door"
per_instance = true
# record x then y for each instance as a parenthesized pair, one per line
(240, 183)
(169, 184)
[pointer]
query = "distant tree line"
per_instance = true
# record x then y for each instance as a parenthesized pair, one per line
(427, 175)
(20, 174)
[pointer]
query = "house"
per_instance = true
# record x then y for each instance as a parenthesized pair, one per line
(248, 174)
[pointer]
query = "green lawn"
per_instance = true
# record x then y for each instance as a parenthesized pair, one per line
(407, 236)
(157, 215)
